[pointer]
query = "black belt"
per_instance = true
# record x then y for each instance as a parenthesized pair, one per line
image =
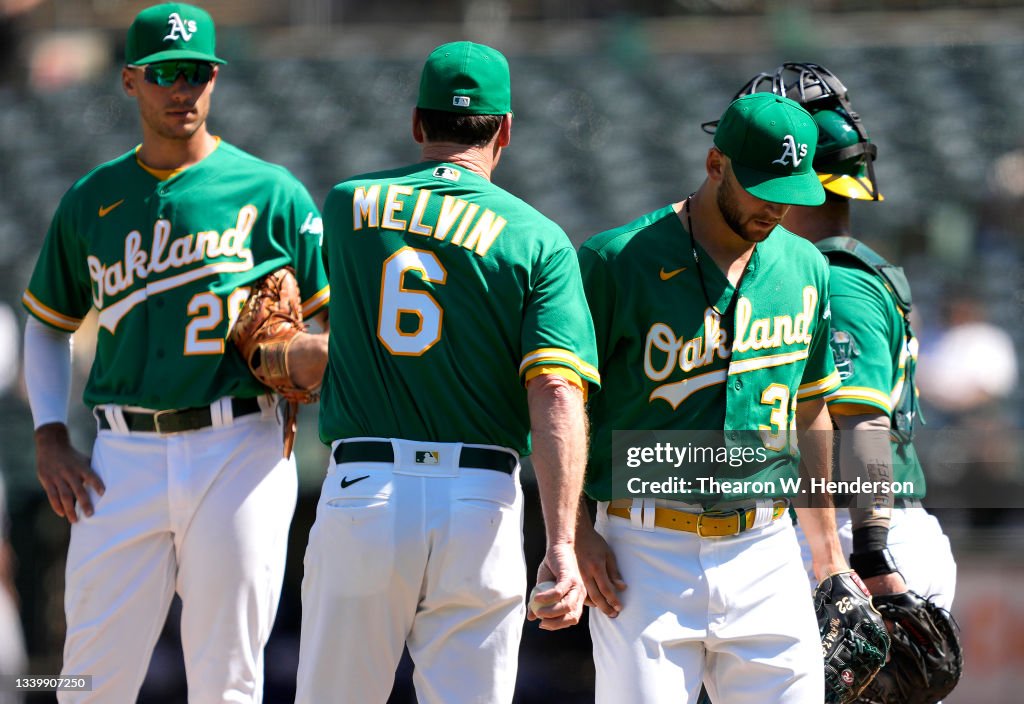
(178, 420)
(469, 458)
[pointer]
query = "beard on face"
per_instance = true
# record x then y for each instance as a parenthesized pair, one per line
(738, 222)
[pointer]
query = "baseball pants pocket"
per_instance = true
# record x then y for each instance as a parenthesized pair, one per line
(483, 561)
(355, 526)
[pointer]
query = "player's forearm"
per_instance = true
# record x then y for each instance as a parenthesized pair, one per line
(865, 454)
(819, 519)
(814, 433)
(559, 452)
(47, 372)
(819, 527)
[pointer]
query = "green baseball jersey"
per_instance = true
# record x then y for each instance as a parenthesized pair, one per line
(669, 362)
(168, 264)
(875, 352)
(448, 291)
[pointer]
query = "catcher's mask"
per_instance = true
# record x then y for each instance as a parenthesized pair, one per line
(844, 160)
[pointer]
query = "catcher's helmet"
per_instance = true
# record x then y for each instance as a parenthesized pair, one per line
(845, 155)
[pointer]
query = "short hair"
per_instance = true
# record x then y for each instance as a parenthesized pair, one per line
(442, 126)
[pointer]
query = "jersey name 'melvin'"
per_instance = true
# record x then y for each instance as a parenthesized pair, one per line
(366, 212)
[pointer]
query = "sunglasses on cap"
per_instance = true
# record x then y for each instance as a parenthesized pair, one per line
(165, 73)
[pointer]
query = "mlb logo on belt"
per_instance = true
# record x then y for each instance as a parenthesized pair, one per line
(427, 457)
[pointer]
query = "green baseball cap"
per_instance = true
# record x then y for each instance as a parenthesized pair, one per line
(771, 142)
(171, 32)
(467, 78)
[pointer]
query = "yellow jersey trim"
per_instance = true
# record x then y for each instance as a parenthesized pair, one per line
(164, 174)
(862, 395)
(816, 388)
(49, 315)
(844, 408)
(316, 302)
(558, 356)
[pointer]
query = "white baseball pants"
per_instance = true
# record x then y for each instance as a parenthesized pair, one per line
(732, 612)
(203, 513)
(428, 555)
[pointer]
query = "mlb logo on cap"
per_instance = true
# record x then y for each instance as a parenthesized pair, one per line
(427, 457)
(468, 78)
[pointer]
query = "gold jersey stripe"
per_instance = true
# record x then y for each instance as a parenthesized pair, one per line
(561, 356)
(814, 388)
(49, 315)
(852, 408)
(860, 394)
(316, 302)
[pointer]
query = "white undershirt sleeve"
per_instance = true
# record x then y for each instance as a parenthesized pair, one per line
(47, 372)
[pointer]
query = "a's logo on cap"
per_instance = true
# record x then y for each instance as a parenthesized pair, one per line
(791, 150)
(460, 101)
(180, 29)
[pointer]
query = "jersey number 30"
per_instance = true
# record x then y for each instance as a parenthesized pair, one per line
(397, 301)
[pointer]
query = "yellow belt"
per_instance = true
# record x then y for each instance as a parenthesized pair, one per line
(709, 524)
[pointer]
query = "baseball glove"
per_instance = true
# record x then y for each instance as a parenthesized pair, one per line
(265, 328)
(925, 659)
(854, 641)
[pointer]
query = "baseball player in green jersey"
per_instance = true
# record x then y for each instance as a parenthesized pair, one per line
(454, 296)
(895, 543)
(711, 317)
(186, 490)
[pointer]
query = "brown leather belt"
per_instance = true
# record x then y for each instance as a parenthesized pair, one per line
(708, 524)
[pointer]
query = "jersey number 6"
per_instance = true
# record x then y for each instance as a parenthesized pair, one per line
(396, 300)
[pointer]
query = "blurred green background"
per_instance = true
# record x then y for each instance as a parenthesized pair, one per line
(608, 101)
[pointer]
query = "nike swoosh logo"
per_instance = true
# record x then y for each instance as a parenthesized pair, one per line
(346, 482)
(666, 275)
(106, 210)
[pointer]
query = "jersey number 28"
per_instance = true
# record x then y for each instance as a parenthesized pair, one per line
(207, 312)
